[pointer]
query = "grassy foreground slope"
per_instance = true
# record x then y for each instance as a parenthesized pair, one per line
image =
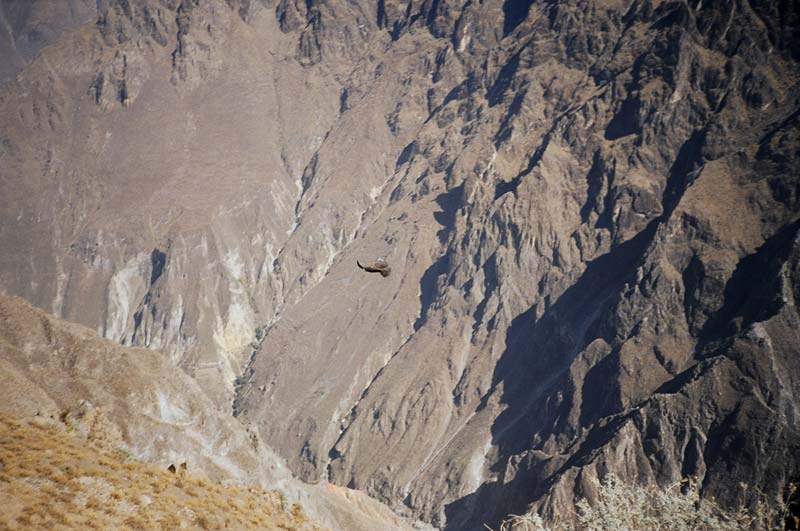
(54, 479)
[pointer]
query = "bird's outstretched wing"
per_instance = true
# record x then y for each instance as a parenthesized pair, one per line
(378, 267)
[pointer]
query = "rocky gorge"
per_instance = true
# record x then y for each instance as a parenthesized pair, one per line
(590, 209)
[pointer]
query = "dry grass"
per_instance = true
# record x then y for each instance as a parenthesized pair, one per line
(51, 479)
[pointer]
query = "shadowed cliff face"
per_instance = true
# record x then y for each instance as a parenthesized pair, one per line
(590, 210)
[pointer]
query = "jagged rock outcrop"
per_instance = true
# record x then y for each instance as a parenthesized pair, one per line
(135, 398)
(204, 299)
(590, 208)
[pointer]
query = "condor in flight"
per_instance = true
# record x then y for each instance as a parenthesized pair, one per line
(380, 266)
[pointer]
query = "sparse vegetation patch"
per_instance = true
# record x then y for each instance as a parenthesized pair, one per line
(51, 477)
(623, 507)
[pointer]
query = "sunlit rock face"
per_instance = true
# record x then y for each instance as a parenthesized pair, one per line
(135, 402)
(590, 210)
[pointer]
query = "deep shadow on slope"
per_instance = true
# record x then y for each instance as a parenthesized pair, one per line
(450, 202)
(729, 448)
(514, 12)
(753, 293)
(539, 352)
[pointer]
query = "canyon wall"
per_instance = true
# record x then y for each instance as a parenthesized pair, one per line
(590, 210)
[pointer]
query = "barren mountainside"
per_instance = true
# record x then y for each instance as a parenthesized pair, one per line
(136, 405)
(51, 478)
(590, 209)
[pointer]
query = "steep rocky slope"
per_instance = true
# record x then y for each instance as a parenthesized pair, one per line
(590, 209)
(134, 402)
(26, 27)
(50, 478)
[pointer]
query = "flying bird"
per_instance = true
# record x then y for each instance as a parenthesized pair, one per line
(380, 266)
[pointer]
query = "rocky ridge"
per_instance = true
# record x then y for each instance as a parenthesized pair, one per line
(135, 403)
(590, 209)
(53, 478)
